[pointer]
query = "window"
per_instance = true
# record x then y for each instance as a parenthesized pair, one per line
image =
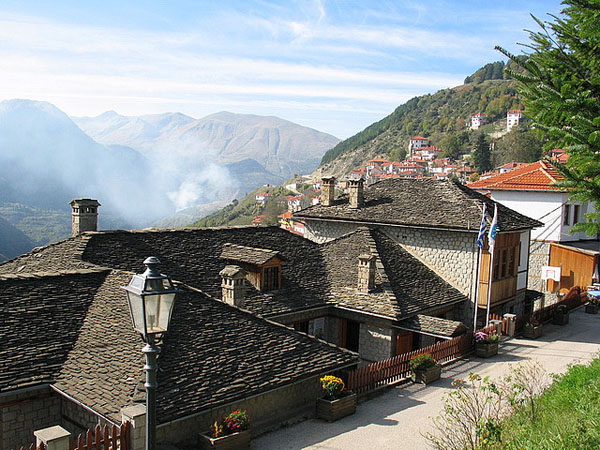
(506, 263)
(503, 263)
(271, 279)
(566, 214)
(576, 213)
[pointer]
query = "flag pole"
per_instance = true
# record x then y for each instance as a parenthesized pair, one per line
(476, 307)
(480, 237)
(491, 244)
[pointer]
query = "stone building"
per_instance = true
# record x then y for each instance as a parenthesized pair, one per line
(437, 222)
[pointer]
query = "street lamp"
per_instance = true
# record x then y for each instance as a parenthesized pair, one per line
(151, 298)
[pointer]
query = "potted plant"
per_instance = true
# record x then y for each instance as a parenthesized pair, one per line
(532, 329)
(231, 433)
(424, 368)
(592, 305)
(336, 402)
(486, 345)
(560, 315)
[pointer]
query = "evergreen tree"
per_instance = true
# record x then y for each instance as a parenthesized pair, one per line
(560, 86)
(481, 154)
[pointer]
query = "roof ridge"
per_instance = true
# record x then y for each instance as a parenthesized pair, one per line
(53, 273)
(41, 248)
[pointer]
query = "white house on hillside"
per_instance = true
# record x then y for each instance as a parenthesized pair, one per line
(530, 190)
(513, 118)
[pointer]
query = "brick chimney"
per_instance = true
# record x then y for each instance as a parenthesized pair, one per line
(233, 285)
(84, 215)
(328, 191)
(356, 189)
(366, 273)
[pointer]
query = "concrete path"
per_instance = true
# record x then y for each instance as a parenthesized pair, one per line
(397, 418)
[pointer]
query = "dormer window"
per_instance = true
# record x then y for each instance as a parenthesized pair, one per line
(262, 266)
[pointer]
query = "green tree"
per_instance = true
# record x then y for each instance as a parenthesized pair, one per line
(560, 87)
(518, 146)
(481, 154)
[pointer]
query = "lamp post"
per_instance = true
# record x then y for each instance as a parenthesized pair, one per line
(151, 297)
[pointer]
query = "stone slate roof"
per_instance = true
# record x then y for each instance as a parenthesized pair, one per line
(434, 325)
(73, 330)
(41, 314)
(314, 275)
(421, 202)
(403, 285)
(250, 255)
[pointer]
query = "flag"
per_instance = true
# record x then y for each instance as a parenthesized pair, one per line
(482, 229)
(493, 230)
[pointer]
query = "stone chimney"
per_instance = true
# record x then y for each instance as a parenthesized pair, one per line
(366, 273)
(356, 189)
(233, 285)
(328, 191)
(84, 215)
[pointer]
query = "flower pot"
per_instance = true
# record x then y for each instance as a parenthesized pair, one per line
(428, 375)
(332, 410)
(560, 318)
(591, 309)
(531, 332)
(486, 349)
(235, 441)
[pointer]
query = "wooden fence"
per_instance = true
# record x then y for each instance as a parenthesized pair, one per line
(34, 447)
(396, 368)
(103, 438)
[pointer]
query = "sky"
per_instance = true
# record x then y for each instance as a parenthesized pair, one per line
(336, 66)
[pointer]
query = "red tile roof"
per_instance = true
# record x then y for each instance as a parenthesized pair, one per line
(537, 176)
(379, 160)
(419, 137)
(515, 111)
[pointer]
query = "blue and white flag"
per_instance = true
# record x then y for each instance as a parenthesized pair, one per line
(493, 230)
(482, 230)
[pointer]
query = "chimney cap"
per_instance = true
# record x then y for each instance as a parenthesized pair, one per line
(85, 202)
(328, 178)
(232, 271)
(367, 257)
(354, 180)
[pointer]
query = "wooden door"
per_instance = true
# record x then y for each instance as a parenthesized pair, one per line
(404, 342)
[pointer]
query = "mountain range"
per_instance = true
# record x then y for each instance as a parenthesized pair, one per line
(142, 169)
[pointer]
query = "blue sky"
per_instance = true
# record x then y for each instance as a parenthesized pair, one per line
(336, 66)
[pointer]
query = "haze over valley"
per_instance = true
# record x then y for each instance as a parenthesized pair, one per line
(142, 169)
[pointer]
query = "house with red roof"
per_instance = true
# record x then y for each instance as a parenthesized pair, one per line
(262, 198)
(513, 118)
(531, 190)
(477, 120)
(416, 143)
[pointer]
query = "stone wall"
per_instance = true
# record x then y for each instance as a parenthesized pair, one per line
(451, 254)
(266, 411)
(324, 231)
(22, 414)
(539, 255)
(375, 342)
(76, 419)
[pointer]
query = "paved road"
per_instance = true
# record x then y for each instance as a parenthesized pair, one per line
(397, 418)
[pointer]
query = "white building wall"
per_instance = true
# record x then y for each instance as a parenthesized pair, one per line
(545, 207)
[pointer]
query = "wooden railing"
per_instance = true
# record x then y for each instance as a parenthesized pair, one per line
(380, 373)
(103, 438)
(34, 447)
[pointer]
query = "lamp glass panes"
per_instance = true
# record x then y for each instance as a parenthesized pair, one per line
(151, 298)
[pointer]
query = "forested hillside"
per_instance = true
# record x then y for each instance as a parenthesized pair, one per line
(441, 116)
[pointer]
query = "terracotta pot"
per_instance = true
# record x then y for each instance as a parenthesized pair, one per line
(486, 350)
(530, 332)
(427, 376)
(591, 309)
(235, 441)
(332, 410)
